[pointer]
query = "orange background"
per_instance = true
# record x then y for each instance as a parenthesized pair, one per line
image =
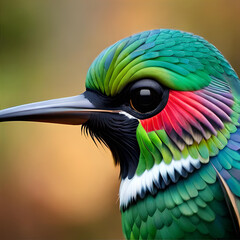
(55, 183)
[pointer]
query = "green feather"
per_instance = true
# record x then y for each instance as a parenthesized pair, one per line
(144, 230)
(158, 220)
(169, 59)
(216, 206)
(235, 164)
(221, 138)
(175, 195)
(185, 152)
(217, 142)
(217, 192)
(185, 209)
(138, 221)
(191, 189)
(157, 146)
(152, 38)
(225, 132)
(216, 229)
(200, 202)
(150, 205)
(193, 206)
(194, 219)
(207, 177)
(206, 194)
(176, 212)
(230, 127)
(233, 154)
(176, 231)
(203, 149)
(170, 145)
(134, 211)
(129, 218)
(147, 148)
(142, 210)
(225, 160)
(182, 191)
(198, 182)
(213, 150)
(141, 165)
(236, 107)
(165, 232)
(151, 228)
(125, 226)
(202, 228)
(193, 150)
(167, 216)
(135, 232)
(234, 185)
(168, 199)
(206, 214)
(167, 156)
(160, 202)
(186, 225)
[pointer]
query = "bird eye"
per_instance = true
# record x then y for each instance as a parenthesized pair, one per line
(146, 95)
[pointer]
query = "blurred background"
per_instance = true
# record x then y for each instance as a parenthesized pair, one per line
(55, 183)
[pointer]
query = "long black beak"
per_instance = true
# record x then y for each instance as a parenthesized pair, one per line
(71, 110)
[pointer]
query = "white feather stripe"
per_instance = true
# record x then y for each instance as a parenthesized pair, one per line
(127, 115)
(131, 188)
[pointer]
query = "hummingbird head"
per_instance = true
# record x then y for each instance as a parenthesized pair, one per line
(163, 101)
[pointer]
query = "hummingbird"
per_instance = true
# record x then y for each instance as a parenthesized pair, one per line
(167, 105)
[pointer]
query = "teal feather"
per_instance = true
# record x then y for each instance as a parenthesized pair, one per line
(206, 214)
(176, 212)
(216, 192)
(176, 231)
(160, 202)
(134, 212)
(208, 178)
(138, 221)
(150, 205)
(185, 209)
(202, 228)
(142, 210)
(217, 208)
(236, 164)
(198, 182)
(186, 224)
(175, 195)
(216, 230)
(193, 206)
(168, 200)
(135, 232)
(167, 216)
(191, 189)
(158, 220)
(206, 194)
(144, 230)
(195, 219)
(234, 186)
(183, 192)
(151, 229)
(200, 202)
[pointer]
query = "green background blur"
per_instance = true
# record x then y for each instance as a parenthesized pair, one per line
(55, 183)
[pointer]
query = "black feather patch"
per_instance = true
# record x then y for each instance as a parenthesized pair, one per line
(118, 132)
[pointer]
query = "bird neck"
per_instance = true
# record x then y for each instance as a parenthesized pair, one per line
(159, 177)
(194, 207)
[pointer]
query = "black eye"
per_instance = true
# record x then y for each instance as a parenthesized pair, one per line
(146, 95)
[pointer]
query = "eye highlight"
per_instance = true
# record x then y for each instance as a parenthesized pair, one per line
(145, 95)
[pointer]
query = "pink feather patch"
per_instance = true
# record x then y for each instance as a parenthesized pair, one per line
(191, 111)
